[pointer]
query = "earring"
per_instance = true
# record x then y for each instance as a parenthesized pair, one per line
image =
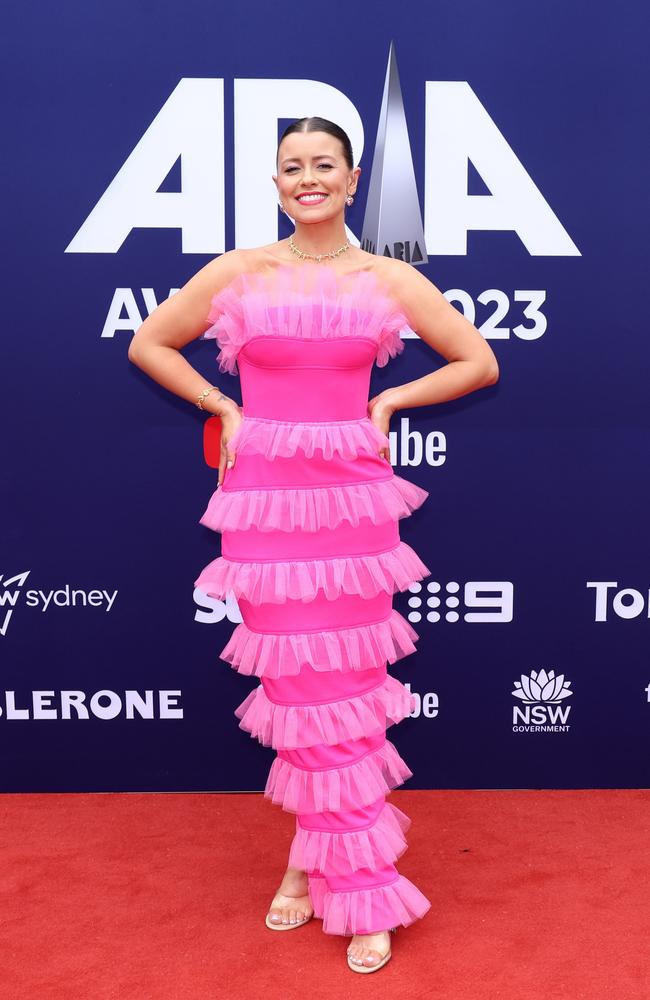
(349, 200)
(282, 208)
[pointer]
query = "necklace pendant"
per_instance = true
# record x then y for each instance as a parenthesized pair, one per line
(303, 255)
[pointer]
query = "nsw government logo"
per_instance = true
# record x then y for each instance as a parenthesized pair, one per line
(542, 711)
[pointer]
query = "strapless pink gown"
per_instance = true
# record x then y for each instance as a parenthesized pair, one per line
(310, 548)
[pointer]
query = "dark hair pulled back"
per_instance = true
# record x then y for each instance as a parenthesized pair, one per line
(315, 124)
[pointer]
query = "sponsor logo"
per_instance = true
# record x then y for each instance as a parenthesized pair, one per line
(211, 610)
(624, 603)
(12, 595)
(191, 126)
(427, 704)
(541, 694)
(476, 601)
(81, 705)
(412, 447)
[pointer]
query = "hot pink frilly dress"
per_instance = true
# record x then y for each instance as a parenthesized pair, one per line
(311, 551)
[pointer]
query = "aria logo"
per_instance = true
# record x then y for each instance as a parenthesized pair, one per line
(393, 220)
(462, 144)
(541, 693)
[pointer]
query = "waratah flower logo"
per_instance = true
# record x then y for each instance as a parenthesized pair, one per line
(542, 686)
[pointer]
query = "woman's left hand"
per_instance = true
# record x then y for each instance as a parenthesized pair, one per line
(380, 410)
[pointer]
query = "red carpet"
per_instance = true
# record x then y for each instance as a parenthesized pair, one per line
(536, 895)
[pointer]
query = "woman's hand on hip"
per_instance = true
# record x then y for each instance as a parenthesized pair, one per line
(231, 416)
(380, 410)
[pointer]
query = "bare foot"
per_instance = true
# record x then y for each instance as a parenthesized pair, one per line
(291, 903)
(369, 949)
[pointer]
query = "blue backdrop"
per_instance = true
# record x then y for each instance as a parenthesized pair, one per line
(137, 144)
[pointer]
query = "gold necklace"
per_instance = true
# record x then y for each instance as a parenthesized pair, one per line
(316, 256)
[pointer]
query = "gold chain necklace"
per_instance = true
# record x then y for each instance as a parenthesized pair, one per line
(316, 256)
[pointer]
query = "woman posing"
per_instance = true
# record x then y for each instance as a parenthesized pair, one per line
(308, 508)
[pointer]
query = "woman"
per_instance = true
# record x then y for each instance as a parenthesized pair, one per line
(308, 507)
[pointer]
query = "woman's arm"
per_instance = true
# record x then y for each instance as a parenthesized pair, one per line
(156, 345)
(471, 361)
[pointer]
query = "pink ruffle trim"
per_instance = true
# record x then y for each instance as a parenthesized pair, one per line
(289, 727)
(339, 853)
(294, 301)
(360, 647)
(312, 508)
(275, 582)
(298, 790)
(400, 903)
(271, 438)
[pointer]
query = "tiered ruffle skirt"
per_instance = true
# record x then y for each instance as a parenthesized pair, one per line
(314, 570)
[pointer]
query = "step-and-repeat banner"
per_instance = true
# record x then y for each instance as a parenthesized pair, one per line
(506, 145)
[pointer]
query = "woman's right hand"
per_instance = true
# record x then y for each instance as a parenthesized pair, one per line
(231, 417)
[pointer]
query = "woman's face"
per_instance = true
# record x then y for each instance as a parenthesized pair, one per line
(313, 178)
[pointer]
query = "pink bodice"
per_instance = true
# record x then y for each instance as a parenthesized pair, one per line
(305, 305)
(318, 380)
(303, 340)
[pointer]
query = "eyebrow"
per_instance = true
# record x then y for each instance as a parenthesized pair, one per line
(321, 156)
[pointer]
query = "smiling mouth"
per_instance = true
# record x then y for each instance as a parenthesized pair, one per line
(311, 199)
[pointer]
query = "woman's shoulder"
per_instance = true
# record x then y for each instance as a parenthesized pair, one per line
(232, 263)
(407, 285)
(395, 271)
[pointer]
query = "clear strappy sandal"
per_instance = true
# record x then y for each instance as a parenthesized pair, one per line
(278, 925)
(360, 967)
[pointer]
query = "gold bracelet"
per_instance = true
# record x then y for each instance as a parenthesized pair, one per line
(206, 392)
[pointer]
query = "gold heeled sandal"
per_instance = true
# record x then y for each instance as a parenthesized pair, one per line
(360, 967)
(278, 925)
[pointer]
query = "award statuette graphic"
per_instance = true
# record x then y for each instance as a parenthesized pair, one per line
(392, 225)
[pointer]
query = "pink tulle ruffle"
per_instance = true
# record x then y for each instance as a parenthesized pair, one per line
(294, 301)
(301, 579)
(270, 438)
(360, 647)
(367, 911)
(289, 727)
(381, 844)
(350, 786)
(313, 507)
